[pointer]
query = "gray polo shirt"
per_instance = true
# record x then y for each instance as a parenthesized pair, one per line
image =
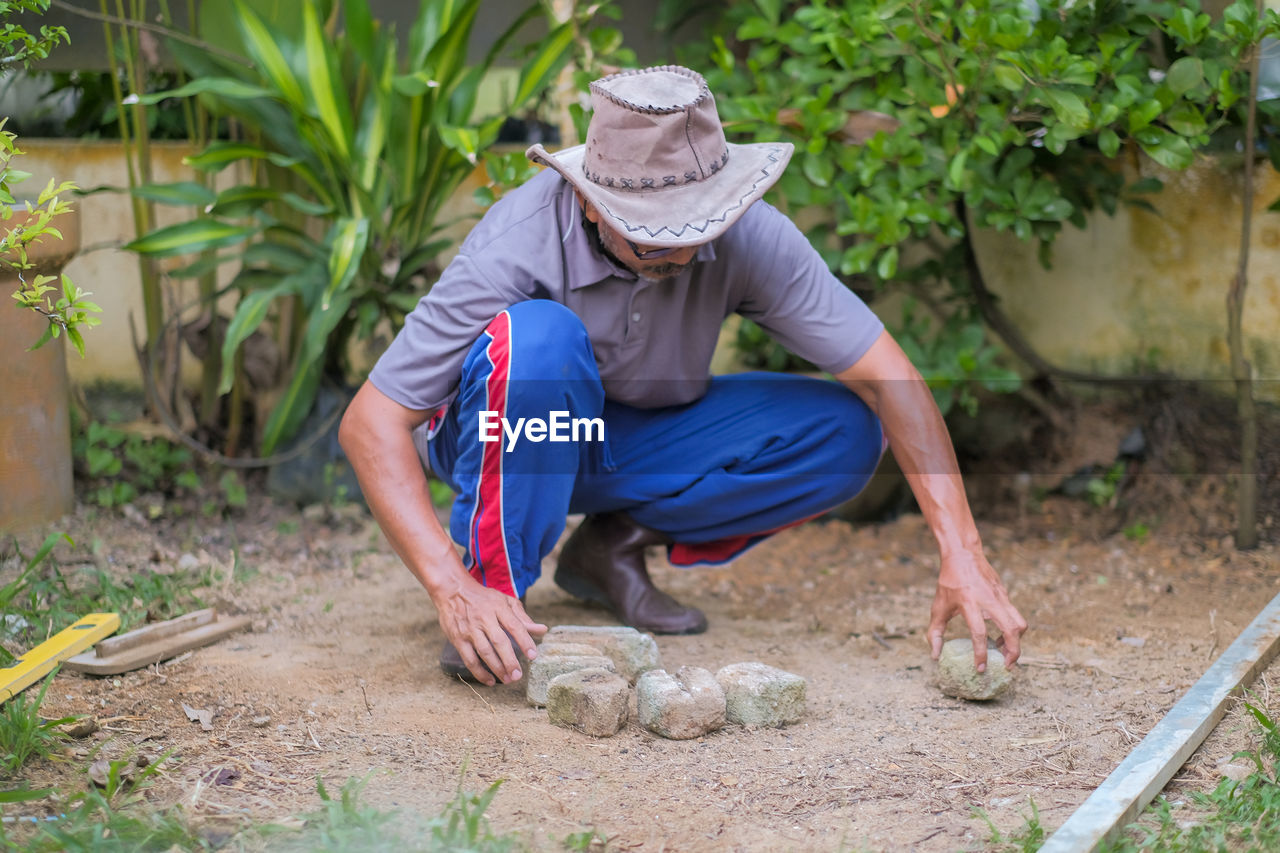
(653, 341)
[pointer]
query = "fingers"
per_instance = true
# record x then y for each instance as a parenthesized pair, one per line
(478, 669)
(1011, 641)
(522, 629)
(937, 627)
(490, 659)
(978, 633)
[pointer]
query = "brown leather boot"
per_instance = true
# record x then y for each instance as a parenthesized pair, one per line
(453, 666)
(603, 561)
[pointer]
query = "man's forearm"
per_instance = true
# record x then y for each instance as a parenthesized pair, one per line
(920, 442)
(378, 442)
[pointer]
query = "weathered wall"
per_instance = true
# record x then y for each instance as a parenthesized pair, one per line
(107, 223)
(1145, 291)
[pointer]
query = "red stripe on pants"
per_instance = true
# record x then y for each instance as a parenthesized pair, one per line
(488, 541)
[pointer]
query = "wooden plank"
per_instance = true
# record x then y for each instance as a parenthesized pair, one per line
(1152, 763)
(154, 631)
(157, 648)
(41, 660)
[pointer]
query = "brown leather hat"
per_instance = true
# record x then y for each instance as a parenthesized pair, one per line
(656, 164)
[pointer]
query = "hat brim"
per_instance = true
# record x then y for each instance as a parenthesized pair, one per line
(678, 215)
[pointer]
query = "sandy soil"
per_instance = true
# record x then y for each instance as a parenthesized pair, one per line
(342, 659)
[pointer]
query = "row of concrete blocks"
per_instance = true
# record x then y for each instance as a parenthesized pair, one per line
(584, 677)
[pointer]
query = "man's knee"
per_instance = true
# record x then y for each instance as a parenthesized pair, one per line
(539, 354)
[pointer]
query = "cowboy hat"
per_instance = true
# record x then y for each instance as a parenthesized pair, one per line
(656, 164)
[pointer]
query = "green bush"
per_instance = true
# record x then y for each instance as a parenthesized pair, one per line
(1009, 118)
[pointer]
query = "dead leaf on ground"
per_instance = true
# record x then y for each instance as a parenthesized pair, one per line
(203, 716)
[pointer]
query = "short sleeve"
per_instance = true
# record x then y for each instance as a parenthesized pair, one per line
(422, 367)
(794, 297)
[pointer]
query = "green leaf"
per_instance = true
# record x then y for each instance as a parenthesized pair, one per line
(1009, 78)
(887, 265)
(292, 409)
(267, 55)
(543, 66)
(1143, 114)
(23, 795)
(1186, 120)
(464, 140)
(218, 155)
(1184, 75)
(415, 84)
(189, 237)
(955, 171)
(224, 87)
(348, 240)
(819, 169)
(324, 81)
(1146, 185)
(358, 22)
(249, 315)
(1068, 107)
(238, 201)
(1108, 142)
(276, 256)
(182, 192)
(310, 208)
(1167, 149)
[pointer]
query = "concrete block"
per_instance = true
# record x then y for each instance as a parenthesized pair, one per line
(545, 667)
(757, 694)
(685, 705)
(957, 676)
(593, 701)
(632, 652)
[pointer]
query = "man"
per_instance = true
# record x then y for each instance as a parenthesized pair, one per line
(561, 365)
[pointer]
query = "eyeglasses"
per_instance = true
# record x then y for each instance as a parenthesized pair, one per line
(649, 254)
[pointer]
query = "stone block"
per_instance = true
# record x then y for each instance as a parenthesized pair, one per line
(685, 705)
(757, 694)
(569, 649)
(958, 677)
(593, 701)
(632, 652)
(545, 667)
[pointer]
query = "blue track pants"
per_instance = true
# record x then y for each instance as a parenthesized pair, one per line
(758, 453)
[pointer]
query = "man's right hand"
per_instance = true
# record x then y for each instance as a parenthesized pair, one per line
(377, 436)
(479, 621)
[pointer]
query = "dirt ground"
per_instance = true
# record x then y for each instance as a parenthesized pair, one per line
(342, 660)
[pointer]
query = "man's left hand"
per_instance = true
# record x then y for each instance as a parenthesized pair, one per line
(969, 586)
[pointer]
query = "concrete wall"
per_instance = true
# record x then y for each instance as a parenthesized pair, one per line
(106, 223)
(1143, 291)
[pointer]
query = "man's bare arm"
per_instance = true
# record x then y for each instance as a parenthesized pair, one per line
(967, 584)
(377, 437)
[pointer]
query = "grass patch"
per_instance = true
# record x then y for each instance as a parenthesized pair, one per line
(24, 734)
(43, 599)
(343, 823)
(1029, 837)
(107, 819)
(1235, 815)
(115, 817)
